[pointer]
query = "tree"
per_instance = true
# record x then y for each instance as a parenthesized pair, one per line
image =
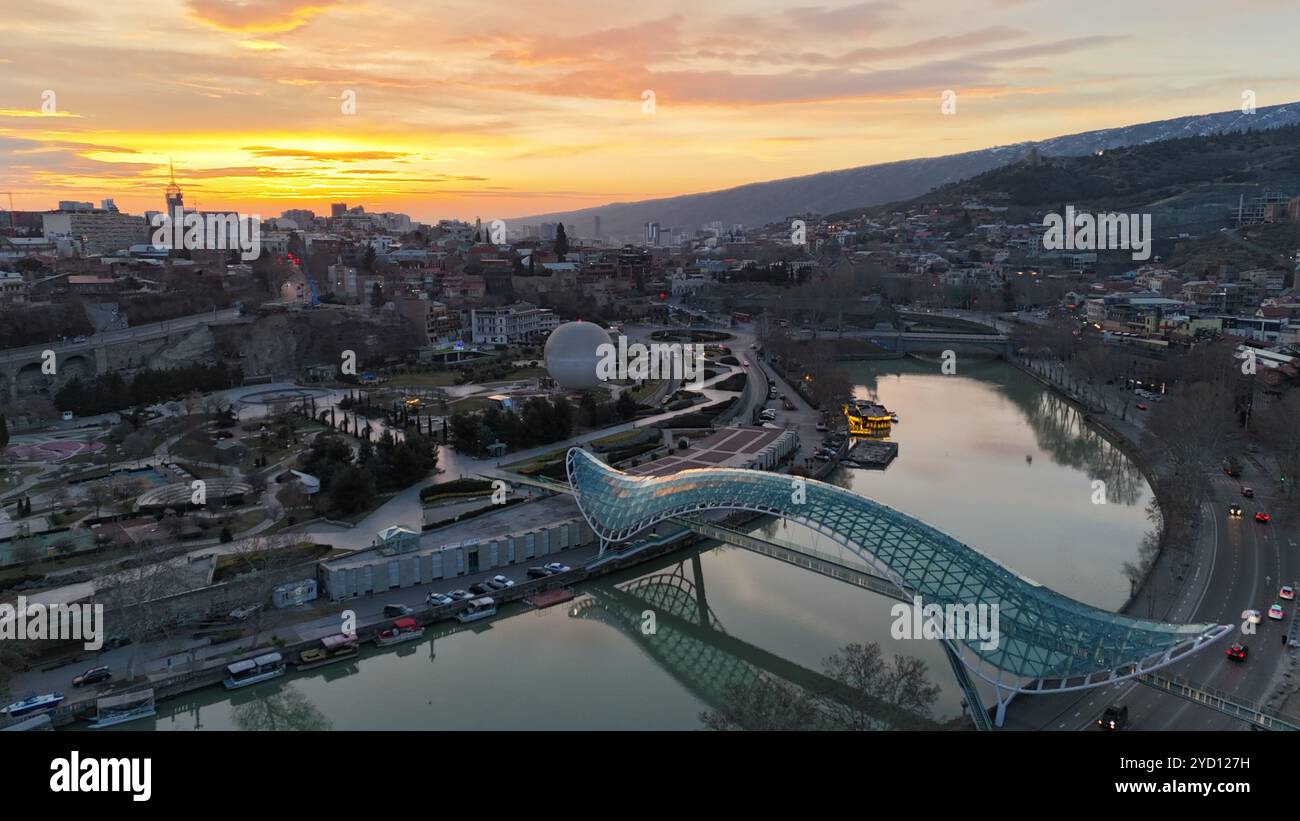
(376, 296)
(626, 405)
(590, 409)
(97, 494)
(561, 242)
(4, 432)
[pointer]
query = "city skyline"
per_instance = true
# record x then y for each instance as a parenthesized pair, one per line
(464, 111)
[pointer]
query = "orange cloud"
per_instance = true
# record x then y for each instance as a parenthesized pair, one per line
(258, 16)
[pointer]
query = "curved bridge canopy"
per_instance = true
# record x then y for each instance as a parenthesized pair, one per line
(1048, 642)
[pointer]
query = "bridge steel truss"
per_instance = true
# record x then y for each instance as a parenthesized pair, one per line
(1048, 643)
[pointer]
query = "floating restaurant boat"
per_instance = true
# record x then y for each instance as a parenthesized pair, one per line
(867, 418)
(406, 629)
(332, 649)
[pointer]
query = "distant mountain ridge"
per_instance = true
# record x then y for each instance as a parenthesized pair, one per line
(831, 191)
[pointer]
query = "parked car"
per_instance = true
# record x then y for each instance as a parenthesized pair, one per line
(538, 572)
(821, 427)
(557, 567)
(500, 582)
(92, 676)
(460, 595)
(439, 599)
(480, 589)
(1248, 492)
(395, 611)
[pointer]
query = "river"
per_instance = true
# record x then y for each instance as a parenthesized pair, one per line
(986, 455)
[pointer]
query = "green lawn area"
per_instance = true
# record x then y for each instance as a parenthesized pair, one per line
(433, 379)
(12, 477)
(640, 394)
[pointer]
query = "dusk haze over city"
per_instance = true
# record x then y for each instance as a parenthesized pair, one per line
(419, 380)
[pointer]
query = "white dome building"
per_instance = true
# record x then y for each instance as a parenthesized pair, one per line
(571, 354)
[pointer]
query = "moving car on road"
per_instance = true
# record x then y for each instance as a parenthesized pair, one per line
(500, 582)
(392, 611)
(1248, 492)
(1115, 718)
(1261, 517)
(460, 595)
(557, 567)
(1237, 652)
(1287, 592)
(1251, 616)
(1275, 612)
(1234, 511)
(439, 599)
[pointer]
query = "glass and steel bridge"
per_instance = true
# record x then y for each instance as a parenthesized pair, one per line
(1047, 642)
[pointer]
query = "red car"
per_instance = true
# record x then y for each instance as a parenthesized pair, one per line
(1142, 406)
(1237, 652)
(1261, 517)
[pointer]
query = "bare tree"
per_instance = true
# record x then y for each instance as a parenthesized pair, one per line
(133, 597)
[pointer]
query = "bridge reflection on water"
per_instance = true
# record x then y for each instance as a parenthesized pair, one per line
(667, 615)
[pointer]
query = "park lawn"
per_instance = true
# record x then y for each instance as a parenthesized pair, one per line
(648, 388)
(433, 379)
(14, 476)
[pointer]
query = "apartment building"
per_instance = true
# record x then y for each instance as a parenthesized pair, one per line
(95, 231)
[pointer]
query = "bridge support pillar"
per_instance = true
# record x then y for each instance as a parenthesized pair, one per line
(702, 601)
(1004, 698)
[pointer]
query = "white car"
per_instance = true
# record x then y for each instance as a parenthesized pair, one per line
(439, 599)
(503, 581)
(1276, 612)
(1251, 616)
(241, 613)
(556, 567)
(1287, 592)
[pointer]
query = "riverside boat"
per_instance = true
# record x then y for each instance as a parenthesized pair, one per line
(254, 671)
(332, 649)
(406, 629)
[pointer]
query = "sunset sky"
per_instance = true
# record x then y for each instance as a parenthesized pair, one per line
(507, 108)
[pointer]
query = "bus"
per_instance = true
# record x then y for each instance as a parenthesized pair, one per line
(741, 317)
